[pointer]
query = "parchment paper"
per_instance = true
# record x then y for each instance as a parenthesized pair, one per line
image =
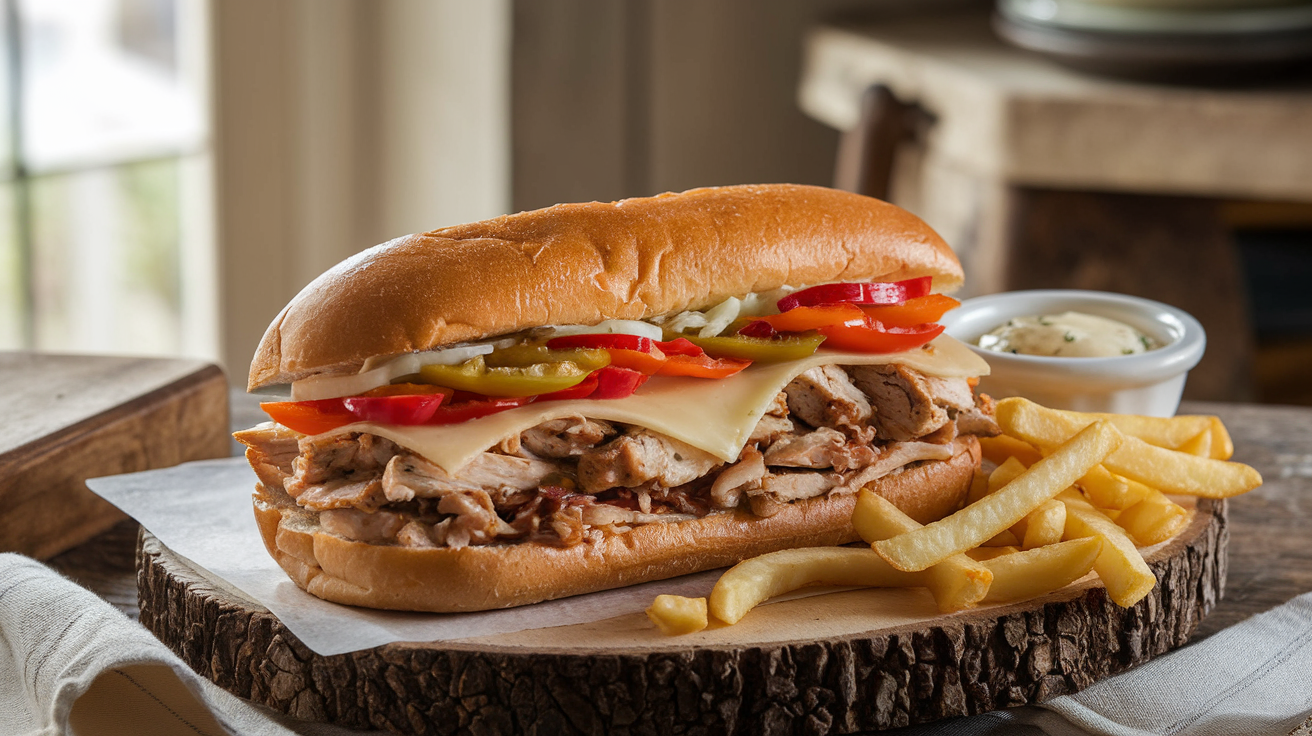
(202, 511)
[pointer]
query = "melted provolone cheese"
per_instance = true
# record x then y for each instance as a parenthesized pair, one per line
(714, 415)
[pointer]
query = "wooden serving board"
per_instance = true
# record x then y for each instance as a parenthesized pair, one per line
(859, 660)
(73, 417)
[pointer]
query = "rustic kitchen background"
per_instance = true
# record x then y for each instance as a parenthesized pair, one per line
(175, 170)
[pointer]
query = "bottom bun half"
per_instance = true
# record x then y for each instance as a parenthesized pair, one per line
(479, 578)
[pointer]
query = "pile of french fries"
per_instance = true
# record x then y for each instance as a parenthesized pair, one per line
(1070, 492)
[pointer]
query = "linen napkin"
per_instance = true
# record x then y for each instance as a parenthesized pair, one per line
(72, 664)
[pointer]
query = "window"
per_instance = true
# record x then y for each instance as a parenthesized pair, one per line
(105, 229)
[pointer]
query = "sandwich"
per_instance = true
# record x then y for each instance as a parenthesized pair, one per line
(596, 395)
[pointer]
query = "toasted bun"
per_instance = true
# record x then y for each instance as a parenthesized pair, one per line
(501, 576)
(584, 263)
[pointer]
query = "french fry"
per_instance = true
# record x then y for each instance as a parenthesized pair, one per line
(1154, 519)
(675, 615)
(1122, 569)
(979, 554)
(932, 543)
(752, 582)
(998, 449)
(1044, 525)
(1005, 473)
(1223, 448)
(1041, 570)
(1167, 432)
(1199, 445)
(957, 582)
(1106, 491)
(1004, 538)
(1165, 470)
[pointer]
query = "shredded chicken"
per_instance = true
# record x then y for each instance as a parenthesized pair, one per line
(410, 476)
(823, 448)
(378, 526)
(906, 406)
(824, 396)
(567, 437)
(727, 490)
(639, 457)
(978, 419)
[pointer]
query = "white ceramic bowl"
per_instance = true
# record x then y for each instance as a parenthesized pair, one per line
(1144, 383)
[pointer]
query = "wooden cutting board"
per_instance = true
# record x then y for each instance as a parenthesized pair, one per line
(73, 417)
(861, 660)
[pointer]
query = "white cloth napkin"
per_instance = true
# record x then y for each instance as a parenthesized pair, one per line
(71, 664)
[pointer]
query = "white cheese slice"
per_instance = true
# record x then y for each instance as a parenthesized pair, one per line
(715, 415)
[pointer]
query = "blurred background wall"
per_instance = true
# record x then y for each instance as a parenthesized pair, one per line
(172, 172)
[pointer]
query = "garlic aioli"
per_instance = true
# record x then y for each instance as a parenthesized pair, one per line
(1067, 335)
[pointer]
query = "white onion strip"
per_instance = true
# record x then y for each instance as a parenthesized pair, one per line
(369, 378)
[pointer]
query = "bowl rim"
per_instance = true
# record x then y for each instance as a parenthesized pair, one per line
(1180, 353)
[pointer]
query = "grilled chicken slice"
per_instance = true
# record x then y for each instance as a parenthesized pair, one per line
(639, 457)
(824, 396)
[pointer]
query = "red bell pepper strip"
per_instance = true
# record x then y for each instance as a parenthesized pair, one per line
(912, 312)
(802, 319)
(680, 346)
(474, 408)
(868, 336)
(309, 417)
(403, 410)
(702, 366)
(580, 391)
(610, 342)
(647, 363)
(616, 383)
(894, 292)
(758, 328)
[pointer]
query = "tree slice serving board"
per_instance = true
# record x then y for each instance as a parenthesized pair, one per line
(859, 660)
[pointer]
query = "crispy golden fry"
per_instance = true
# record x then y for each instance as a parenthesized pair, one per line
(998, 449)
(980, 554)
(1042, 570)
(1004, 538)
(1122, 569)
(1168, 432)
(1223, 448)
(930, 544)
(674, 614)
(1199, 445)
(1154, 519)
(1005, 473)
(1165, 470)
(957, 582)
(752, 582)
(1106, 491)
(1044, 525)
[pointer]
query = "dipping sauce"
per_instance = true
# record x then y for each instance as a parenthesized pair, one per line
(1067, 335)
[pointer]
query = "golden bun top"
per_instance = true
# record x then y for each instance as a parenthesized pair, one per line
(585, 263)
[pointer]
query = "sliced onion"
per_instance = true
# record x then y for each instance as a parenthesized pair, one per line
(719, 316)
(386, 370)
(612, 327)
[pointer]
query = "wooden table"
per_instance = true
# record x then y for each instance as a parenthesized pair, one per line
(1045, 177)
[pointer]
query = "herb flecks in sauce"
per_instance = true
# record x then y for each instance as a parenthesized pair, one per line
(1067, 335)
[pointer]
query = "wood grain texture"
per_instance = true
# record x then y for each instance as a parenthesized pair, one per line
(1008, 114)
(77, 417)
(969, 663)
